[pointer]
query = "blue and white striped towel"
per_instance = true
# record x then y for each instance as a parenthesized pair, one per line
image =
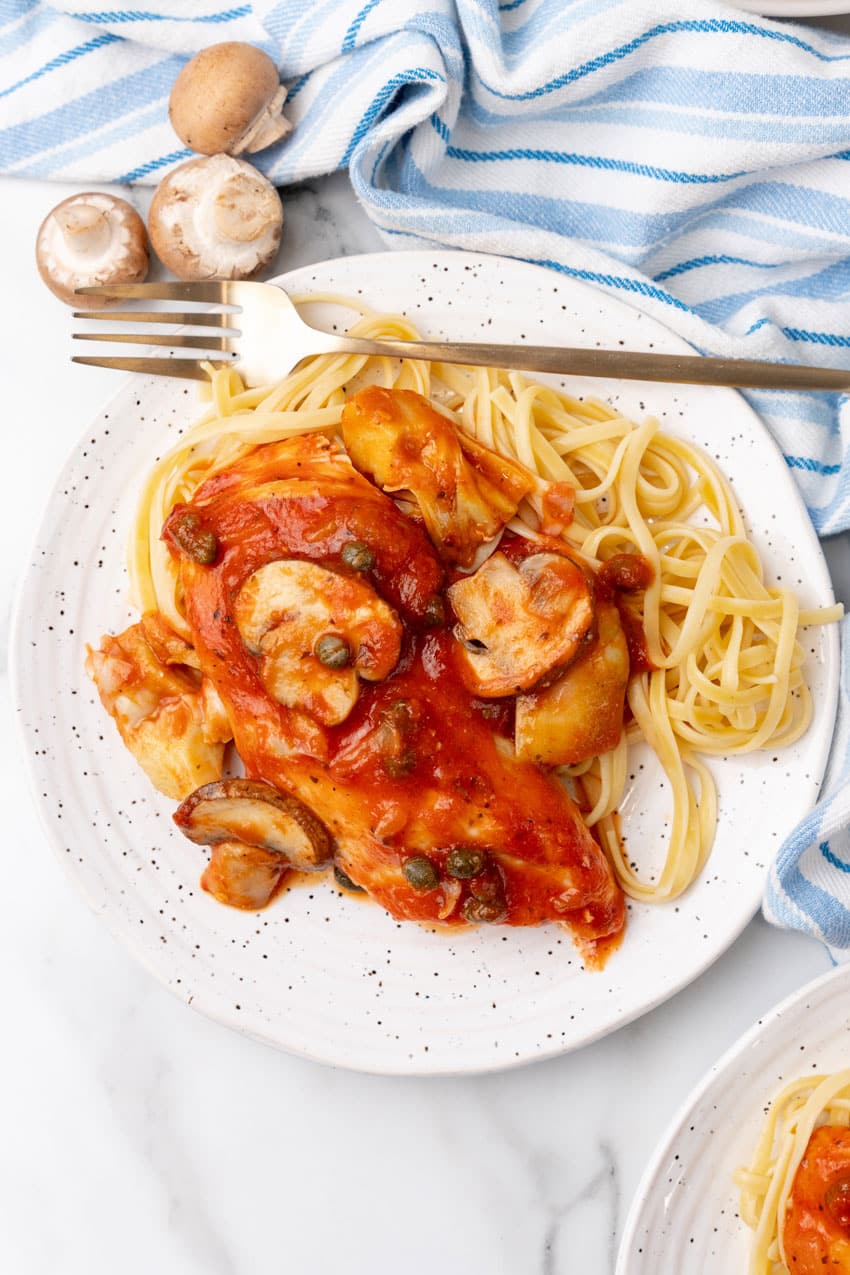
(689, 158)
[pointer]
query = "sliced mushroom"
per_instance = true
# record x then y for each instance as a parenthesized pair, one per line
(581, 714)
(518, 623)
(257, 815)
(228, 98)
(90, 239)
(300, 619)
(215, 218)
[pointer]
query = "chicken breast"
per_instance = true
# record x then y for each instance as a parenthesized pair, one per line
(419, 787)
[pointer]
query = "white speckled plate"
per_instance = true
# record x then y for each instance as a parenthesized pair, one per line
(684, 1219)
(329, 976)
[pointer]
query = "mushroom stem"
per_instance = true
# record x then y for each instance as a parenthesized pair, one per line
(215, 218)
(228, 98)
(90, 238)
(269, 127)
(85, 229)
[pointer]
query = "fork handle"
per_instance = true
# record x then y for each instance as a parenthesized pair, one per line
(624, 364)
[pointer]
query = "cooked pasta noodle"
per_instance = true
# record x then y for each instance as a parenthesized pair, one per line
(766, 1183)
(727, 664)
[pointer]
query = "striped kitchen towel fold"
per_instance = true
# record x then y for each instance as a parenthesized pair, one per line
(809, 883)
(690, 159)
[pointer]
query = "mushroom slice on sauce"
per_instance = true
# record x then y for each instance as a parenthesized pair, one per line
(159, 710)
(256, 814)
(518, 623)
(257, 834)
(215, 218)
(286, 609)
(466, 494)
(580, 715)
(90, 239)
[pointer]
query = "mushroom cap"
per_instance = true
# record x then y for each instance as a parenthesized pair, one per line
(284, 609)
(516, 624)
(255, 814)
(215, 218)
(228, 98)
(90, 239)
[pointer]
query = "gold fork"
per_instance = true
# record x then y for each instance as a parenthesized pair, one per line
(263, 337)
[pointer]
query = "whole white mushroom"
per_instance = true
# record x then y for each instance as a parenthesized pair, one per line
(215, 218)
(90, 239)
(229, 99)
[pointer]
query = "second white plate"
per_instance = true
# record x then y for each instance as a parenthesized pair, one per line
(328, 976)
(684, 1220)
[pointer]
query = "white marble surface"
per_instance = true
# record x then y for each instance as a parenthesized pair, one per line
(136, 1137)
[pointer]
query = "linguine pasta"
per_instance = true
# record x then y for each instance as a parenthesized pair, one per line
(726, 660)
(766, 1183)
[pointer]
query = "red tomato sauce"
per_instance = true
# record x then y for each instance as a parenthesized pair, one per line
(624, 579)
(418, 767)
(816, 1232)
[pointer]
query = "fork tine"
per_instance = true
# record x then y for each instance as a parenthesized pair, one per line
(189, 369)
(199, 318)
(207, 291)
(178, 340)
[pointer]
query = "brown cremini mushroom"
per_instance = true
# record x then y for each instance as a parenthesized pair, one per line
(257, 815)
(228, 99)
(256, 835)
(215, 218)
(90, 239)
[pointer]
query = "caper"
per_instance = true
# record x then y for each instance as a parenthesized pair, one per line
(475, 910)
(421, 873)
(358, 556)
(333, 651)
(464, 862)
(397, 765)
(435, 612)
(195, 540)
(344, 880)
(399, 714)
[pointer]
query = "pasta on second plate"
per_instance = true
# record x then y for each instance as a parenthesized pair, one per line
(795, 1193)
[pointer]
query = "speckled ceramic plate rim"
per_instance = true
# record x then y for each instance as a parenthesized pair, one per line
(766, 1026)
(411, 261)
